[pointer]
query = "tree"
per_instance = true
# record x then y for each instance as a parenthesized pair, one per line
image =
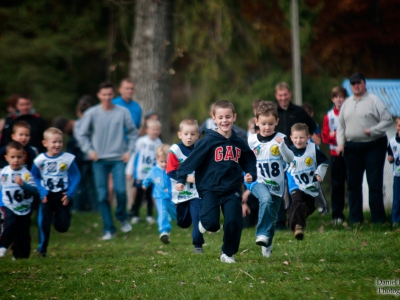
(152, 56)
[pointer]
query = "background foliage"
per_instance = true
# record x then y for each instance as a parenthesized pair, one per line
(58, 51)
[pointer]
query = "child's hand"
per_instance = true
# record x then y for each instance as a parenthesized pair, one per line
(128, 177)
(65, 199)
(190, 179)
(245, 209)
(179, 187)
(44, 199)
(332, 133)
(390, 158)
(319, 178)
(248, 178)
(278, 139)
(18, 181)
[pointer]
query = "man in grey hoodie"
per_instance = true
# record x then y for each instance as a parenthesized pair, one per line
(102, 136)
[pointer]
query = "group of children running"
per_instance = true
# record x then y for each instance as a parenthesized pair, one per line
(190, 181)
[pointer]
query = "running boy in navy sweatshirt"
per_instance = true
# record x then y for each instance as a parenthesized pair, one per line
(219, 160)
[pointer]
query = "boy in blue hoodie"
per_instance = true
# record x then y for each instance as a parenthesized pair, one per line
(162, 193)
(219, 160)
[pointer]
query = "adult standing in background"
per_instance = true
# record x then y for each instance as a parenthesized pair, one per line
(361, 138)
(126, 91)
(108, 135)
(25, 112)
(289, 114)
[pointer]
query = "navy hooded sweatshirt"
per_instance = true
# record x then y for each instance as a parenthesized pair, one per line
(219, 163)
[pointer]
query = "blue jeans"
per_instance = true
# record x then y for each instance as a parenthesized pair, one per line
(268, 211)
(101, 169)
(166, 212)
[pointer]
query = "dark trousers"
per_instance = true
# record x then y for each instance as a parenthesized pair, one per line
(369, 157)
(281, 222)
(396, 200)
(140, 192)
(52, 212)
(233, 223)
(188, 212)
(15, 229)
(338, 180)
(85, 198)
(302, 206)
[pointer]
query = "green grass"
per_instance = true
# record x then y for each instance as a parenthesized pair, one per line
(331, 263)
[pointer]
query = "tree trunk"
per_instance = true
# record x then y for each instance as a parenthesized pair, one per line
(151, 58)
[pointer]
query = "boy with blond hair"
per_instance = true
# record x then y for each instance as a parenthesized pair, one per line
(162, 193)
(218, 161)
(17, 194)
(187, 201)
(57, 178)
(307, 169)
(139, 165)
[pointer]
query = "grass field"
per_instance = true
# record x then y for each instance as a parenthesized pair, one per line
(330, 263)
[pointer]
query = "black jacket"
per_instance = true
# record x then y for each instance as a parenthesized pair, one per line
(294, 114)
(219, 163)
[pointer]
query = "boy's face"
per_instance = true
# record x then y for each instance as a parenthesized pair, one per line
(267, 124)
(189, 134)
(22, 135)
(153, 131)
(338, 101)
(162, 161)
(224, 118)
(398, 127)
(53, 143)
(299, 138)
(15, 158)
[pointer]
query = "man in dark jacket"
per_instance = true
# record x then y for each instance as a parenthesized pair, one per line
(25, 113)
(289, 114)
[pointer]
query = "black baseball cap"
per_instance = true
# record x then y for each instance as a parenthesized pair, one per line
(357, 77)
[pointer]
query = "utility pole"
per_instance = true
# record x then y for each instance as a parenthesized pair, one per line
(296, 55)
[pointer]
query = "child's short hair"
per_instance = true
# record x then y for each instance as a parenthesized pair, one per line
(51, 130)
(223, 104)
(162, 150)
(266, 108)
(308, 108)
(21, 124)
(153, 122)
(339, 91)
(189, 122)
(299, 127)
(14, 145)
(84, 103)
(397, 120)
(282, 86)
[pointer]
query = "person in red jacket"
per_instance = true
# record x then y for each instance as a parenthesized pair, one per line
(338, 165)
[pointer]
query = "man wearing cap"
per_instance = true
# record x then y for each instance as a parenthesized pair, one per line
(126, 91)
(361, 138)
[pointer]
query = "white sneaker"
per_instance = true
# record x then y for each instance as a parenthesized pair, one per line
(107, 236)
(150, 220)
(337, 221)
(125, 226)
(3, 251)
(164, 237)
(201, 228)
(266, 251)
(227, 259)
(135, 220)
(262, 240)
